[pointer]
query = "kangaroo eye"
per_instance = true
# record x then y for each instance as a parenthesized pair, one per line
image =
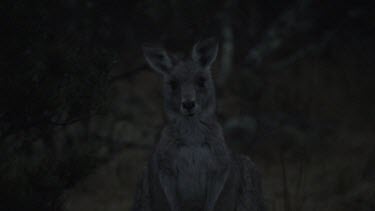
(201, 82)
(173, 84)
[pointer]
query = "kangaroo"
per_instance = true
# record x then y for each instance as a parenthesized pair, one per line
(191, 167)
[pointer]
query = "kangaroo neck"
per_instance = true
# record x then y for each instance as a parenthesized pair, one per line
(194, 130)
(193, 123)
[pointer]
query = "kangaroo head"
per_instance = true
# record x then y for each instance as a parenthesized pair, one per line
(188, 87)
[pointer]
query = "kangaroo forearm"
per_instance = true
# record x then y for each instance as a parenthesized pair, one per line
(142, 200)
(251, 196)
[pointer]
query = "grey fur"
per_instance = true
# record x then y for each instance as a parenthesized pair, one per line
(191, 167)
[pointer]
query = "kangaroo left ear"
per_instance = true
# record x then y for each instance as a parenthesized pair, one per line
(158, 59)
(205, 52)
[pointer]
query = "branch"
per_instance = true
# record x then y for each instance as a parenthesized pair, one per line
(284, 27)
(311, 48)
(227, 43)
(295, 22)
(305, 51)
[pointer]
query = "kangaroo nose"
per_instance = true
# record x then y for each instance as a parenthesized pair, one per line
(188, 105)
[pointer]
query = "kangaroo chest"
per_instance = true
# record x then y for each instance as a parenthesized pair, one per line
(194, 165)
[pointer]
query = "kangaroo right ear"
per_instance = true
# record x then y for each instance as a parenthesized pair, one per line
(158, 59)
(205, 52)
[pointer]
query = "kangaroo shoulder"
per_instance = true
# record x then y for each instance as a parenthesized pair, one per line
(250, 175)
(166, 138)
(250, 184)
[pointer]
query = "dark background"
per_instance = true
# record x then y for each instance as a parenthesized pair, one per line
(80, 110)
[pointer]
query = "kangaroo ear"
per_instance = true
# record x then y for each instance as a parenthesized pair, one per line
(158, 59)
(205, 52)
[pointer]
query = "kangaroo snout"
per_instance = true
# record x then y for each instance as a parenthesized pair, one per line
(188, 107)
